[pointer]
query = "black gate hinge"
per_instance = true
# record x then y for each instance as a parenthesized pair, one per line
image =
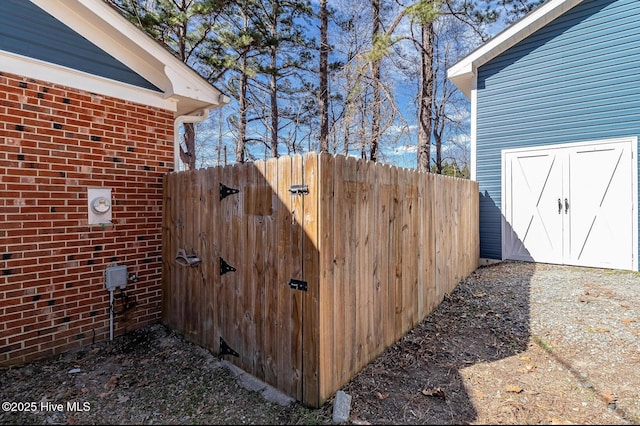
(225, 349)
(225, 267)
(225, 191)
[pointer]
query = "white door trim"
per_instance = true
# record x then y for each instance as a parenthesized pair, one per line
(634, 184)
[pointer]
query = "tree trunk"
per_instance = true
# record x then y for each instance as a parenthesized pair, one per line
(347, 133)
(323, 101)
(363, 133)
(219, 148)
(273, 88)
(426, 98)
(187, 154)
(273, 82)
(376, 76)
(242, 104)
(438, 155)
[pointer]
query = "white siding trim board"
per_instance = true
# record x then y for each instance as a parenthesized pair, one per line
(474, 125)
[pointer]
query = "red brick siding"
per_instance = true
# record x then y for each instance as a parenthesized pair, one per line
(55, 142)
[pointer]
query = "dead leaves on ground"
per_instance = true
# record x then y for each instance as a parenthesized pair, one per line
(382, 395)
(586, 299)
(436, 392)
(608, 397)
(627, 321)
(596, 330)
(113, 382)
(513, 389)
(110, 385)
(555, 421)
(529, 367)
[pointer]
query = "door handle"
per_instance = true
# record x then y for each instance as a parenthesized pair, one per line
(559, 206)
(566, 206)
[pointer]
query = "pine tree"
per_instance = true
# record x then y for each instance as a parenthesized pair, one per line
(184, 26)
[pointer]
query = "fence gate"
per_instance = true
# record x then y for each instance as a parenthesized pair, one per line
(301, 270)
(245, 298)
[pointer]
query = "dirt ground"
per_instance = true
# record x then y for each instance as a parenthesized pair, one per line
(475, 360)
(515, 343)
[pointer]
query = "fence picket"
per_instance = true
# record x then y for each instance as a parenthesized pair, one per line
(311, 248)
(271, 294)
(342, 209)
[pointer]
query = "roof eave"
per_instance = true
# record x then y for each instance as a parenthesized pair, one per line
(106, 28)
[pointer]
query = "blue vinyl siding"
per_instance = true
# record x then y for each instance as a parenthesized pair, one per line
(27, 30)
(576, 79)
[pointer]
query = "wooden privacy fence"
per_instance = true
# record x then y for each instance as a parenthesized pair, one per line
(301, 270)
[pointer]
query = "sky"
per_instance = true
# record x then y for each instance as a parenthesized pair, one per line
(402, 153)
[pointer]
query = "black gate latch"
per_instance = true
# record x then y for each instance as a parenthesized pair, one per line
(299, 189)
(298, 285)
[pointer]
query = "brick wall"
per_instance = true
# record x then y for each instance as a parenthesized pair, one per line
(55, 142)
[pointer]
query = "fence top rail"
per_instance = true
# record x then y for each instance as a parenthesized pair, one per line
(360, 162)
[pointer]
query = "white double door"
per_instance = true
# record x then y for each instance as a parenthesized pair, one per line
(572, 204)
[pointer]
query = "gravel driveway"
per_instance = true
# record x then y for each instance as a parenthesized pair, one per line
(590, 318)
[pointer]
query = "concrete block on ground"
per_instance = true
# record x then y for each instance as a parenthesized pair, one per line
(252, 383)
(234, 370)
(341, 407)
(273, 395)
